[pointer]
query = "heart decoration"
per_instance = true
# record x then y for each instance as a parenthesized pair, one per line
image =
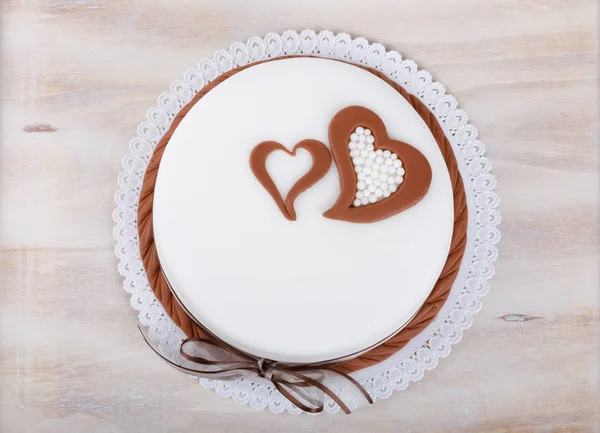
(321, 162)
(407, 191)
(404, 171)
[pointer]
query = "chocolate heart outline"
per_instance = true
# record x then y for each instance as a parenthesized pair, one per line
(417, 176)
(321, 163)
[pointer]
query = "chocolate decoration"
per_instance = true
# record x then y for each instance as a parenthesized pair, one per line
(417, 177)
(321, 161)
(434, 301)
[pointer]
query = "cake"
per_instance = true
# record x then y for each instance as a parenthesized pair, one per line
(303, 210)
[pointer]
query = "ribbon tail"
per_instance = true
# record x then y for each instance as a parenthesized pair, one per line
(317, 384)
(307, 380)
(357, 385)
(317, 405)
(232, 373)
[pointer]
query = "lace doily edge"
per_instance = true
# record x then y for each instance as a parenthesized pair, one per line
(461, 134)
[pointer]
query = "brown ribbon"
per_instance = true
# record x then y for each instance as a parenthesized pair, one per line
(303, 385)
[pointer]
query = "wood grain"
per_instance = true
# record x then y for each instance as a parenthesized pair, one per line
(77, 78)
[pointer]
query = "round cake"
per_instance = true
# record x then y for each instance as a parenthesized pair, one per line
(302, 210)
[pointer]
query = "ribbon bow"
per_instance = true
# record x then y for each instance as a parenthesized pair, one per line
(303, 385)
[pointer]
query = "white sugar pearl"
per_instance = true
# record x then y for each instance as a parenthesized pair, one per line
(384, 185)
(383, 168)
(390, 180)
(361, 138)
(379, 159)
(370, 139)
(388, 162)
(393, 188)
(371, 155)
(391, 170)
(360, 130)
(387, 153)
(400, 171)
(361, 185)
(359, 194)
(370, 147)
(377, 182)
(358, 160)
(378, 192)
(369, 180)
(375, 166)
(386, 193)
(354, 153)
(397, 163)
(399, 180)
(367, 132)
(367, 170)
(383, 177)
(379, 152)
(372, 188)
(364, 200)
(364, 153)
(372, 198)
(394, 156)
(368, 162)
(356, 203)
(361, 145)
(361, 176)
(352, 145)
(354, 137)
(358, 168)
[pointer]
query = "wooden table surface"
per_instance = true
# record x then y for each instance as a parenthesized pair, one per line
(77, 78)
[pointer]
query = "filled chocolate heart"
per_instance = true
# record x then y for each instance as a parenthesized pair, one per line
(321, 162)
(379, 177)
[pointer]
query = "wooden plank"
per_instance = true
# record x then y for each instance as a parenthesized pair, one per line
(78, 76)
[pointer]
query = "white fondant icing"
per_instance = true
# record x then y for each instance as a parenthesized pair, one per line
(314, 285)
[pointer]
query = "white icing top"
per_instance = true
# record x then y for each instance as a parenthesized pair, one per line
(295, 291)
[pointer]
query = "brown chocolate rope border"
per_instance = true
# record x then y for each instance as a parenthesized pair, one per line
(422, 319)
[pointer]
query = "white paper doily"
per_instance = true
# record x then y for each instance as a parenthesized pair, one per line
(422, 352)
